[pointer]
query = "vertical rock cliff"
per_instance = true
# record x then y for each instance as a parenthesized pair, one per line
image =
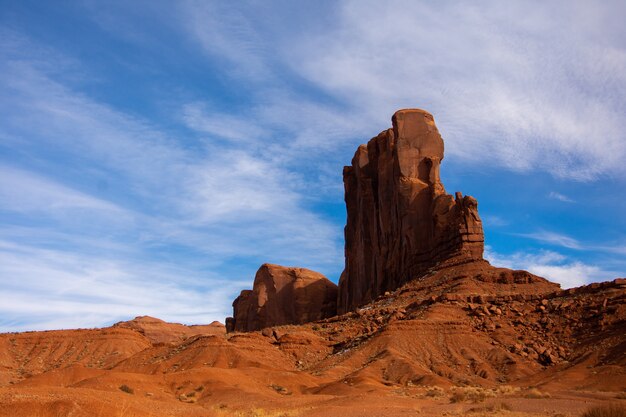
(401, 222)
(283, 295)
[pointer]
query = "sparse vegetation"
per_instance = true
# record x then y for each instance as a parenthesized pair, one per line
(434, 391)
(610, 410)
(491, 408)
(259, 412)
(534, 393)
(473, 394)
(125, 388)
(280, 389)
(621, 396)
(507, 390)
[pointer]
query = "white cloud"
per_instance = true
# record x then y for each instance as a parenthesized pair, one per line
(235, 128)
(24, 191)
(571, 275)
(551, 265)
(531, 93)
(554, 238)
(225, 32)
(560, 197)
(493, 220)
(47, 289)
(191, 190)
(205, 202)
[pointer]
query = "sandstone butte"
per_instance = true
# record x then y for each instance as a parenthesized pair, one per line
(424, 325)
(283, 295)
(401, 224)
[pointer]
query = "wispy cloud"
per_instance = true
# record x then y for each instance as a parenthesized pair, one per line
(520, 93)
(204, 200)
(493, 220)
(225, 32)
(560, 197)
(57, 289)
(554, 238)
(22, 191)
(228, 126)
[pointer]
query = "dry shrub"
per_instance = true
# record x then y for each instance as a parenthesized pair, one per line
(507, 390)
(621, 396)
(491, 408)
(473, 394)
(259, 412)
(280, 389)
(125, 388)
(534, 393)
(610, 410)
(434, 391)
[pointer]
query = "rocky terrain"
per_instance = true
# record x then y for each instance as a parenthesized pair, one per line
(420, 324)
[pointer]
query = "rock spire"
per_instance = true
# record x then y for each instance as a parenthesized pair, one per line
(401, 222)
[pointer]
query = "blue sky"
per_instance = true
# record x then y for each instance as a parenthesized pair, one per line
(154, 154)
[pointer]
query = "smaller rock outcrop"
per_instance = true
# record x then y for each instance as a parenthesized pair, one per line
(283, 295)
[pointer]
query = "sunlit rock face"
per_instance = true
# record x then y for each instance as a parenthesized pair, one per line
(401, 222)
(283, 295)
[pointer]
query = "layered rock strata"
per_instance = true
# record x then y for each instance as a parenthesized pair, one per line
(283, 295)
(401, 222)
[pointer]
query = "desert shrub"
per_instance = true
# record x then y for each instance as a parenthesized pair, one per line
(280, 389)
(125, 388)
(534, 393)
(458, 397)
(473, 394)
(434, 391)
(491, 408)
(507, 390)
(260, 412)
(621, 396)
(610, 410)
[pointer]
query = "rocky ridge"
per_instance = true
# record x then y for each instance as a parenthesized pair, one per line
(496, 328)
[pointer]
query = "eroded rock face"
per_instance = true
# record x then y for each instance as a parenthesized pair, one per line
(283, 295)
(401, 222)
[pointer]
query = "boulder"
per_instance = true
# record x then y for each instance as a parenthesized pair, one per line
(401, 222)
(283, 295)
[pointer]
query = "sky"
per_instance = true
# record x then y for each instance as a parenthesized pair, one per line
(154, 154)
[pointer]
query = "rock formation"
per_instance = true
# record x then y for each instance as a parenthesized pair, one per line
(401, 222)
(283, 295)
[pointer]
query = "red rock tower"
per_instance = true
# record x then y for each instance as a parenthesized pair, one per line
(401, 222)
